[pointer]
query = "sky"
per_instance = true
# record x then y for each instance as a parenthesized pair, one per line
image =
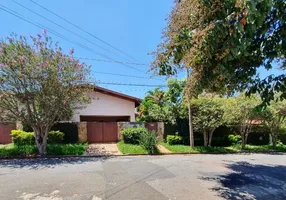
(130, 26)
(133, 27)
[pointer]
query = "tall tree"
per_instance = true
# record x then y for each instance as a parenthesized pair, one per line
(39, 83)
(224, 42)
(207, 116)
(165, 106)
(274, 118)
(241, 113)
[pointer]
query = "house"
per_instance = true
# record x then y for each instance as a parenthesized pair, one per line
(108, 106)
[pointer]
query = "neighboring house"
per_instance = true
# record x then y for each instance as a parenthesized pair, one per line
(108, 106)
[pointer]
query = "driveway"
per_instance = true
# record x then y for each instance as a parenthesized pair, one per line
(104, 149)
(253, 176)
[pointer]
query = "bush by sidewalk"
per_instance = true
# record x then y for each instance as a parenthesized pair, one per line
(20, 137)
(52, 149)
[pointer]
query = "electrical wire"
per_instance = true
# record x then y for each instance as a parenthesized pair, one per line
(78, 35)
(128, 84)
(110, 61)
(85, 31)
(124, 75)
(4, 8)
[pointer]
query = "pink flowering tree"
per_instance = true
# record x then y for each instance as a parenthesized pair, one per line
(39, 83)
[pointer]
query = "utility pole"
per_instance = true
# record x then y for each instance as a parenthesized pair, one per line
(192, 144)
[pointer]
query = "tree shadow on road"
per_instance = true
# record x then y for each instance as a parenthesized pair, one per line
(41, 163)
(249, 181)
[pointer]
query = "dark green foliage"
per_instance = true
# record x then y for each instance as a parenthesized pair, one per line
(16, 150)
(21, 138)
(69, 129)
(258, 138)
(55, 137)
(132, 135)
(66, 149)
(225, 43)
(26, 127)
(149, 141)
(52, 149)
(163, 106)
(181, 127)
(282, 138)
(234, 139)
(174, 139)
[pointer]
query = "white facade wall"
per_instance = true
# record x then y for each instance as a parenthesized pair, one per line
(107, 105)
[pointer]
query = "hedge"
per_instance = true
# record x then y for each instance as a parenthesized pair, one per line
(20, 137)
(132, 135)
(174, 139)
(69, 129)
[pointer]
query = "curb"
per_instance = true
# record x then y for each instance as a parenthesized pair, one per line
(134, 155)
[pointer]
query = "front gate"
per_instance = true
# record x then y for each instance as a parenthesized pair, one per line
(99, 132)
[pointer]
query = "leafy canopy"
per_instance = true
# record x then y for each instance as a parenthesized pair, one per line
(207, 113)
(39, 83)
(224, 42)
(164, 106)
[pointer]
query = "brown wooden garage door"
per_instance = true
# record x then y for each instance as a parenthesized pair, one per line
(98, 132)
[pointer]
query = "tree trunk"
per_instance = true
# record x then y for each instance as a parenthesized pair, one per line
(243, 133)
(192, 144)
(242, 141)
(274, 141)
(206, 139)
(210, 138)
(246, 137)
(41, 135)
(270, 139)
(191, 131)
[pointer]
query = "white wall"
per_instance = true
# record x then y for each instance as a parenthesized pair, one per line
(106, 105)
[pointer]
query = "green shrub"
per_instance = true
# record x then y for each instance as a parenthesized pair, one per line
(20, 137)
(234, 139)
(55, 137)
(52, 149)
(66, 149)
(174, 139)
(132, 135)
(149, 142)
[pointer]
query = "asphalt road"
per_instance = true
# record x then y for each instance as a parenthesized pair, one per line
(253, 176)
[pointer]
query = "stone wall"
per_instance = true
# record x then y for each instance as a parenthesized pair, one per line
(82, 131)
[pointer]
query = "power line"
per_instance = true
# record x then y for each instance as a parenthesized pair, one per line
(124, 75)
(128, 84)
(66, 29)
(83, 30)
(14, 13)
(4, 8)
(110, 61)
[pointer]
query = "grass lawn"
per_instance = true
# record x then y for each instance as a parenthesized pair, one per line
(130, 148)
(230, 149)
(52, 149)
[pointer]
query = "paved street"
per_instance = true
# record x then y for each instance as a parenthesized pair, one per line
(253, 176)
